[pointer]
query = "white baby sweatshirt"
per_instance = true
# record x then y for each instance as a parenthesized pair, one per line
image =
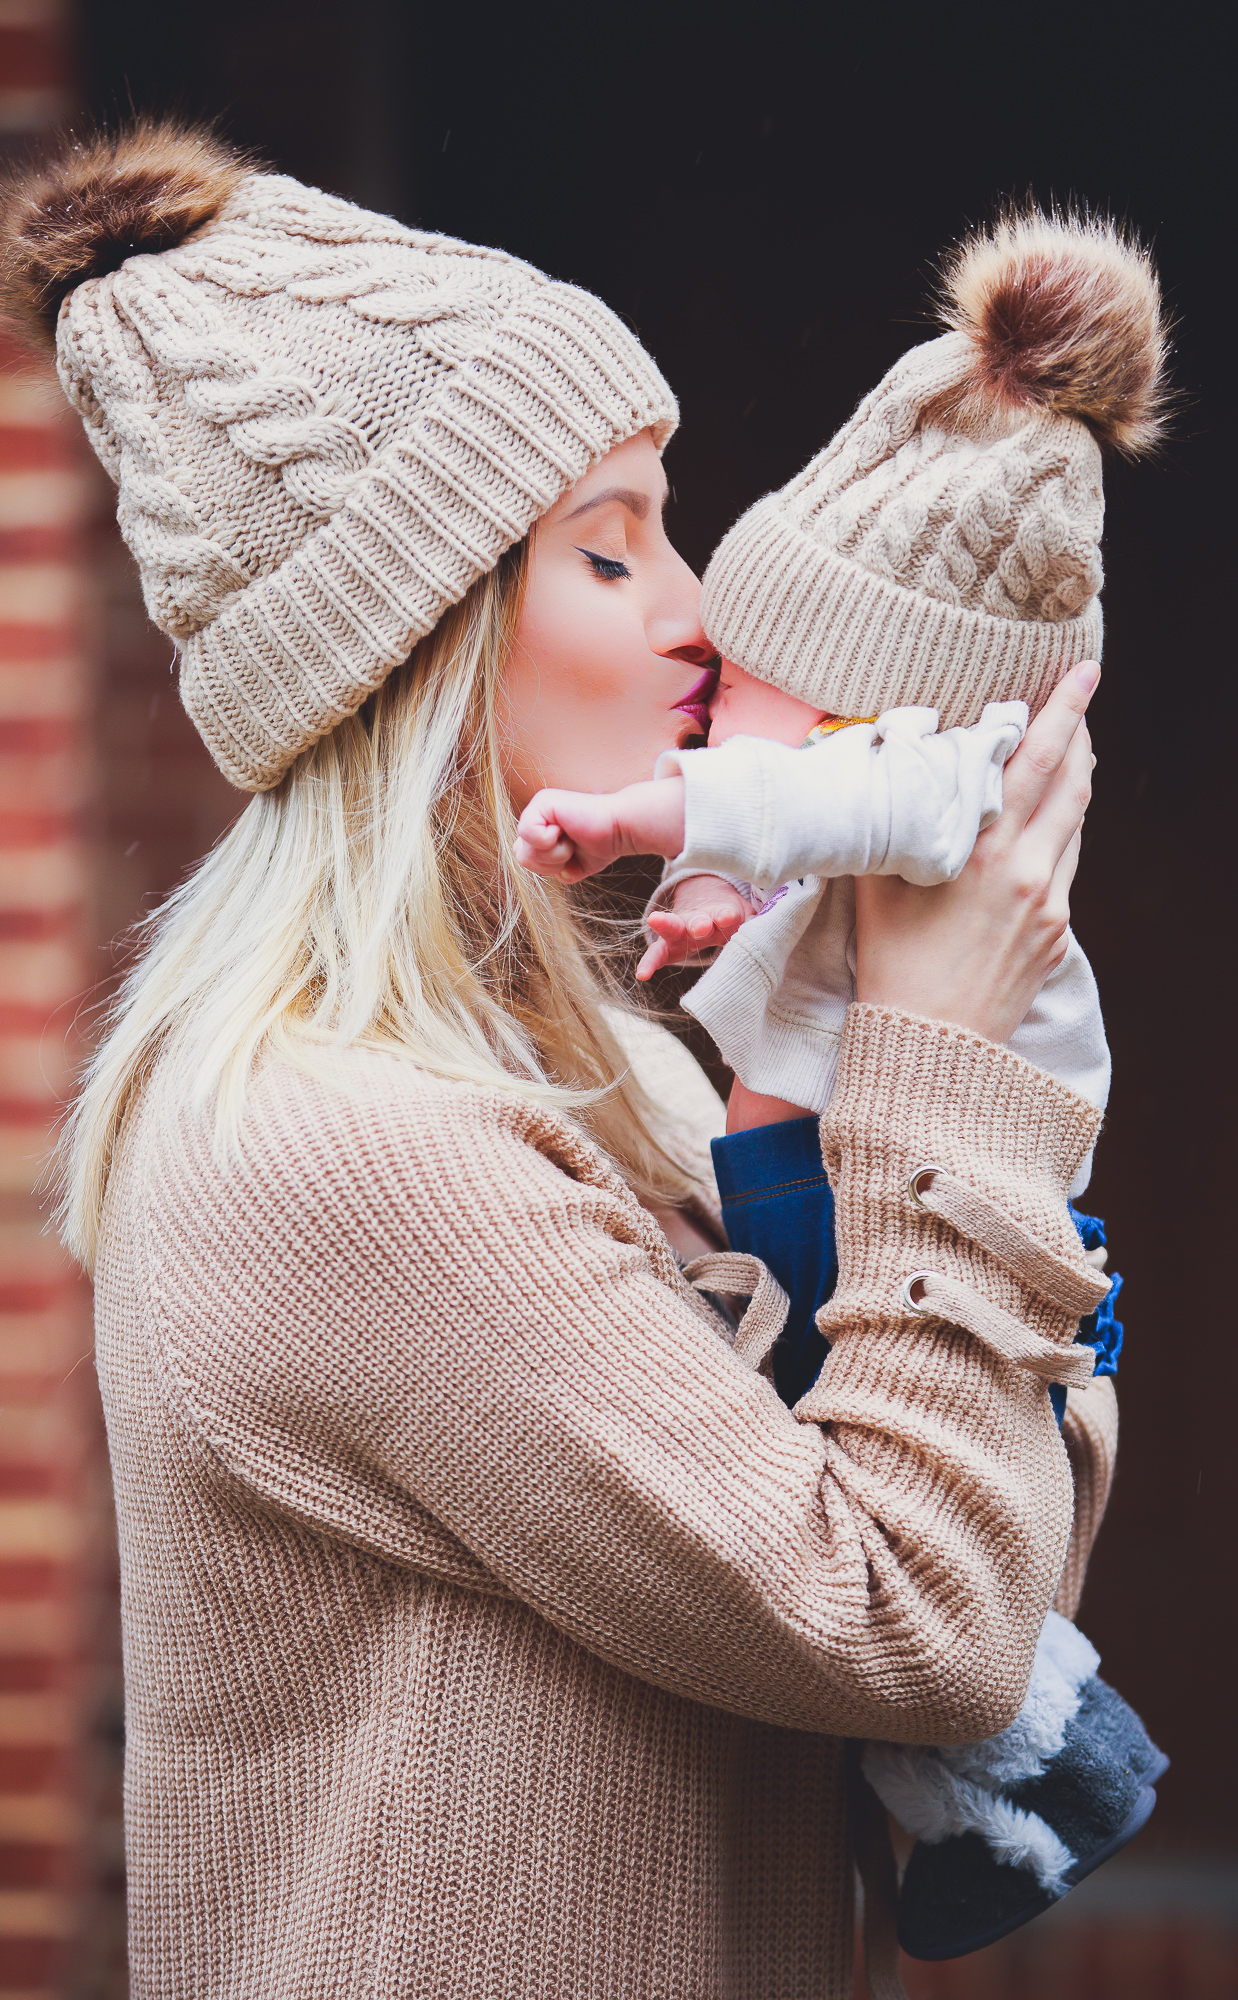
(793, 828)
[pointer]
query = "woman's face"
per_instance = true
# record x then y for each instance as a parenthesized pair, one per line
(609, 666)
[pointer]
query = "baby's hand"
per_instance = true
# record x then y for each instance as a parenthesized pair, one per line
(707, 912)
(569, 835)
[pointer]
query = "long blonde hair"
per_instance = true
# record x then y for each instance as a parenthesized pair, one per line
(370, 899)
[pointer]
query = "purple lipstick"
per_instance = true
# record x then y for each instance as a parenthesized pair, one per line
(695, 704)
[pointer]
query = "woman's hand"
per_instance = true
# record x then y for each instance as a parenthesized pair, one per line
(977, 951)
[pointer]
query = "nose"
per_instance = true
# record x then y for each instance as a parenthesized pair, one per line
(697, 653)
(674, 627)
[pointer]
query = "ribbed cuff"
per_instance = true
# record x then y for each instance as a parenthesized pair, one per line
(797, 614)
(912, 1093)
(727, 809)
(795, 1059)
(559, 383)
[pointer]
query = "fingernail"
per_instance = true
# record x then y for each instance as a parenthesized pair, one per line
(1087, 674)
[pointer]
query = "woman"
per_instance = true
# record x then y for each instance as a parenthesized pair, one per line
(491, 1627)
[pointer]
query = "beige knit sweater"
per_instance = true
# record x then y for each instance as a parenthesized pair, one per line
(490, 1627)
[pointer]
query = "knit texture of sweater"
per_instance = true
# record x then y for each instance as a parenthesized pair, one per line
(490, 1626)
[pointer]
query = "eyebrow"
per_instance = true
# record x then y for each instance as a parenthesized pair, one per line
(626, 496)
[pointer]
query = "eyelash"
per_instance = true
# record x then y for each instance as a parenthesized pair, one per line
(607, 567)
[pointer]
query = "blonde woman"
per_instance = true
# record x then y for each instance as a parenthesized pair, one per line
(491, 1627)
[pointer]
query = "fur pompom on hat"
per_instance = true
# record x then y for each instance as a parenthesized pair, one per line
(323, 426)
(1063, 314)
(95, 203)
(944, 548)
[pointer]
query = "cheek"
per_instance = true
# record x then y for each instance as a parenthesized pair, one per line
(588, 702)
(727, 719)
(582, 639)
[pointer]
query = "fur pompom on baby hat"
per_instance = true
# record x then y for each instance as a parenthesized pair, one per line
(323, 426)
(944, 548)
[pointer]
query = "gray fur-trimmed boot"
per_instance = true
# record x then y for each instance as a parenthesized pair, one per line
(1007, 1827)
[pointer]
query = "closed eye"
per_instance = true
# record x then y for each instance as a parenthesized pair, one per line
(607, 567)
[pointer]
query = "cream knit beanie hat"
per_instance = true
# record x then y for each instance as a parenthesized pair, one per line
(944, 548)
(323, 426)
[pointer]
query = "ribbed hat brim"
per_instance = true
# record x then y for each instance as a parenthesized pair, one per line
(795, 613)
(558, 383)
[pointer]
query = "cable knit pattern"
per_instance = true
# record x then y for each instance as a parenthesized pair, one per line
(324, 427)
(920, 559)
(490, 1626)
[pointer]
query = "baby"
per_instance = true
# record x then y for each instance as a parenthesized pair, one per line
(764, 840)
(938, 563)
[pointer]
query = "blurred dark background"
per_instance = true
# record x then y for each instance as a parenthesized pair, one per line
(762, 192)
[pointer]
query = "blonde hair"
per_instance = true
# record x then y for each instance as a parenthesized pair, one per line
(371, 900)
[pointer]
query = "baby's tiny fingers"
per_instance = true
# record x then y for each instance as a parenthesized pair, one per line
(538, 832)
(655, 958)
(541, 860)
(665, 924)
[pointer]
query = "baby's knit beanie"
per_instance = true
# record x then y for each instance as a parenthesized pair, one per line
(944, 547)
(323, 426)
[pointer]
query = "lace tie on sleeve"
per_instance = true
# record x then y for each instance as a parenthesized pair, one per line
(976, 1216)
(741, 1276)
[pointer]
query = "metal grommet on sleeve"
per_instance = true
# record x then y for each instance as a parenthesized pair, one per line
(920, 1174)
(1075, 1288)
(958, 1305)
(905, 1289)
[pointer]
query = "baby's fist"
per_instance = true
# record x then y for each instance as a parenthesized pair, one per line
(567, 835)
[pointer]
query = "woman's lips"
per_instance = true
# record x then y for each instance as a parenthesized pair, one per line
(695, 703)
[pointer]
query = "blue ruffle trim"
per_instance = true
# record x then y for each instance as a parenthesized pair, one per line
(1100, 1329)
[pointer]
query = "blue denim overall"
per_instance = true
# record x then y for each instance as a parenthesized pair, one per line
(778, 1205)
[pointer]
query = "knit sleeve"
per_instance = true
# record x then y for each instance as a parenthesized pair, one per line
(1090, 1434)
(407, 1294)
(683, 1110)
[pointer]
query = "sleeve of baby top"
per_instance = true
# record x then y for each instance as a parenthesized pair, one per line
(943, 788)
(887, 798)
(769, 814)
(1063, 1030)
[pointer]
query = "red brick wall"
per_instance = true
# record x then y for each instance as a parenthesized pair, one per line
(61, 1909)
(59, 1678)
(106, 797)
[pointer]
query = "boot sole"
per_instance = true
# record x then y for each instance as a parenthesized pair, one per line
(1040, 1902)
